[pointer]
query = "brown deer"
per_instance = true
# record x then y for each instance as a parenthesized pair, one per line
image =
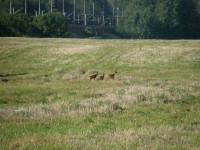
(93, 76)
(112, 75)
(101, 77)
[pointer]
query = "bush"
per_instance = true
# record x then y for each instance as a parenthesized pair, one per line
(88, 31)
(14, 25)
(50, 25)
(20, 24)
(5, 25)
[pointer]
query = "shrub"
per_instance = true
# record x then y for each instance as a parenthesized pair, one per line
(50, 25)
(14, 25)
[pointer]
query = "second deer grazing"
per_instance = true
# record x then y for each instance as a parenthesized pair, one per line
(112, 75)
(101, 77)
(93, 76)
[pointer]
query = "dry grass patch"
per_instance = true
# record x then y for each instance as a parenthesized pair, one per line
(160, 137)
(28, 142)
(73, 49)
(146, 55)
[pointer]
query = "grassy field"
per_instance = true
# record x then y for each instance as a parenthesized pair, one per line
(48, 102)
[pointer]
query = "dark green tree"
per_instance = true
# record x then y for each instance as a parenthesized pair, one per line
(161, 19)
(136, 20)
(189, 13)
(50, 25)
(14, 25)
(165, 21)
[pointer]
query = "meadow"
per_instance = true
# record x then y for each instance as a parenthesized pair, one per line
(48, 102)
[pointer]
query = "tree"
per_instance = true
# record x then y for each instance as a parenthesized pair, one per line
(161, 19)
(14, 25)
(5, 25)
(166, 22)
(136, 20)
(50, 25)
(190, 18)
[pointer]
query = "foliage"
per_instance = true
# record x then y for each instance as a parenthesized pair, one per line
(50, 25)
(189, 18)
(161, 19)
(167, 19)
(88, 31)
(14, 25)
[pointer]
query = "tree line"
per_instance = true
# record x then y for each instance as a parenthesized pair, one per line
(161, 19)
(48, 25)
(166, 19)
(14, 21)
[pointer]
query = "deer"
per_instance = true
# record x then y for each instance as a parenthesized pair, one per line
(112, 75)
(93, 76)
(101, 77)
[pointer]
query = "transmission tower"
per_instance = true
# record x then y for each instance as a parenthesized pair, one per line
(52, 5)
(25, 7)
(63, 7)
(39, 8)
(10, 7)
(74, 14)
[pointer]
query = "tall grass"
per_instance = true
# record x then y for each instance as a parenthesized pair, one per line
(48, 102)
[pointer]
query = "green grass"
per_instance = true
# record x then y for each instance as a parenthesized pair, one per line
(49, 103)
